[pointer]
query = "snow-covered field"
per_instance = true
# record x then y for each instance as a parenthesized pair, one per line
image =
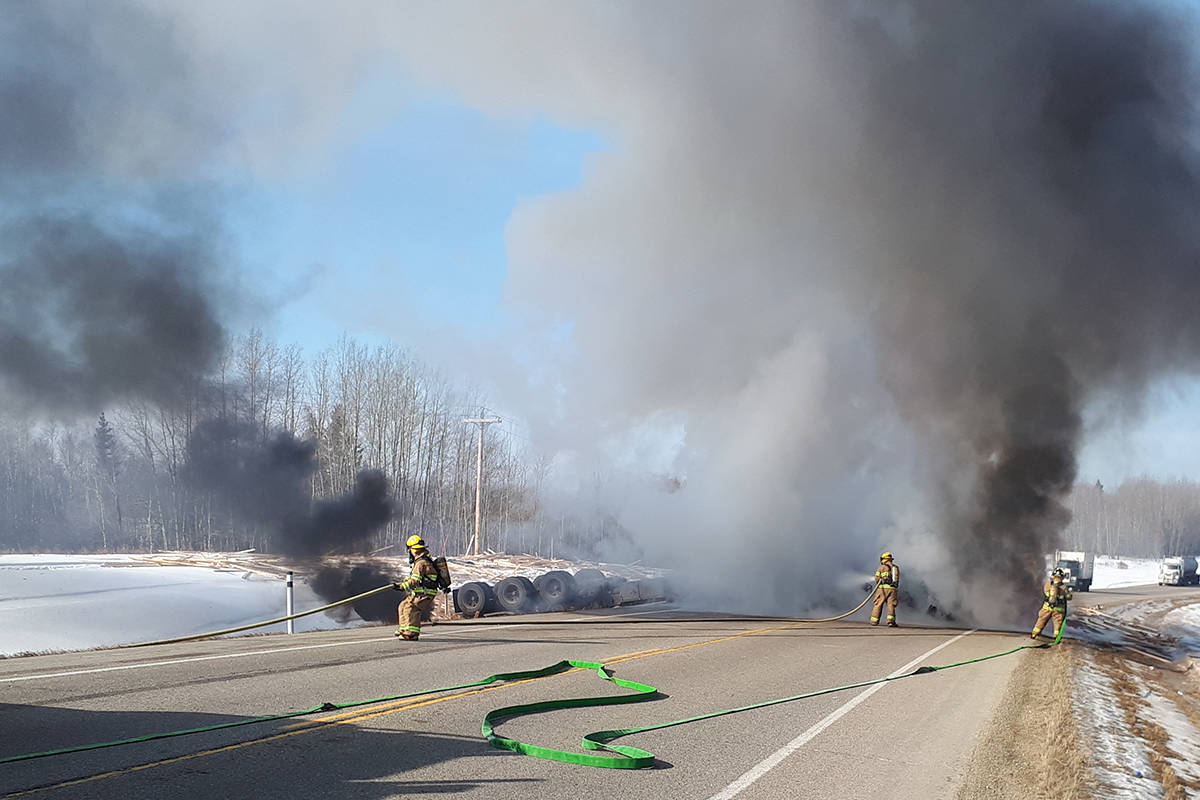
(1113, 573)
(62, 602)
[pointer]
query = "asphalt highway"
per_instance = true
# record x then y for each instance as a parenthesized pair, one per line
(916, 733)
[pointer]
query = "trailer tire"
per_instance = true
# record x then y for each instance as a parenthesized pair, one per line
(556, 589)
(516, 594)
(472, 598)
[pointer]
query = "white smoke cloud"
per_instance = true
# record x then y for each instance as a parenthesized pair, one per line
(854, 270)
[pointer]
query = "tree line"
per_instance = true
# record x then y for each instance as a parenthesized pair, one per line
(1141, 518)
(121, 482)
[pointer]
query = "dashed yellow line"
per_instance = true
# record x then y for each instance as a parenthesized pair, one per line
(345, 718)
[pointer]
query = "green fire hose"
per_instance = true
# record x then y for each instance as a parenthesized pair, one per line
(636, 758)
(627, 757)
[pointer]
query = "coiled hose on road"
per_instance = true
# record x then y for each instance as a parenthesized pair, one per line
(627, 757)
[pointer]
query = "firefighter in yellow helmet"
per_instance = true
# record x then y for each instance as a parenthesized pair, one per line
(887, 582)
(422, 588)
(1054, 603)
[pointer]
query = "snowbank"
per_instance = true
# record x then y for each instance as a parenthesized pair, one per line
(1184, 625)
(63, 602)
(1115, 572)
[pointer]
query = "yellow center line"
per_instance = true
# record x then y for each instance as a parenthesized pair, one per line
(354, 717)
(401, 705)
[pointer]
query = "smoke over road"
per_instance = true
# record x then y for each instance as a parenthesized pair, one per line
(850, 274)
(871, 263)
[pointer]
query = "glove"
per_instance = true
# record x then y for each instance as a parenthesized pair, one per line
(397, 587)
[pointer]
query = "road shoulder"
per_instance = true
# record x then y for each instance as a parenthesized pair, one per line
(1029, 747)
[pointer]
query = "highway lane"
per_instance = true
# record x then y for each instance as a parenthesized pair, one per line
(1110, 599)
(919, 730)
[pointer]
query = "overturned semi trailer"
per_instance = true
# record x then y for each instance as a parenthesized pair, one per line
(555, 590)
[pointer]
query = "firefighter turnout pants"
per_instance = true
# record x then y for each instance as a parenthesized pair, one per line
(411, 608)
(1044, 615)
(884, 594)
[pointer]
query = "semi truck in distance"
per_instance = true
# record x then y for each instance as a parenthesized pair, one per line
(1178, 571)
(1077, 566)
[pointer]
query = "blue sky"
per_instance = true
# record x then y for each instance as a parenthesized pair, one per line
(1166, 444)
(403, 228)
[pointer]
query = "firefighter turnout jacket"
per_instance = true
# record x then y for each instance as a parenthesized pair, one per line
(1055, 596)
(888, 575)
(1054, 604)
(424, 577)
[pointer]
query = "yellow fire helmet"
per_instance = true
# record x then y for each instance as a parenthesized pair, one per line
(415, 542)
(886, 557)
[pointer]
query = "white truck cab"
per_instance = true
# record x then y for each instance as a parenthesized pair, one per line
(1077, 566)
(1177, 571)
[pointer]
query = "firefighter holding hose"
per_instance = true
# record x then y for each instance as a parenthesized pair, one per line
(887, 582)
(1054, 603)
(422, 587)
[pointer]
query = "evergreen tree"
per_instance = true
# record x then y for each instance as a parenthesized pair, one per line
(107, 465)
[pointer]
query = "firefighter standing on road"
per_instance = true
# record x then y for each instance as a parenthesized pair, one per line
(1054, 602)
(422, 588)
(887, 580)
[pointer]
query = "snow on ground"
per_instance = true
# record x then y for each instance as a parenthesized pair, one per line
(1117, 756)
(1183, 736)
(1184, 624)
(68, 602)
(1113, 572)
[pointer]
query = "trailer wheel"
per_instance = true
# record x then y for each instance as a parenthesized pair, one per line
(516, 594)
(471, 599)
(556, 588)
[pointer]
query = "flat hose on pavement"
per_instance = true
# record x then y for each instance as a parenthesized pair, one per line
(629, 757)
(636, 758)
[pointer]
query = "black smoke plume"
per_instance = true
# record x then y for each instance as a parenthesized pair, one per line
(268, 482)
(106, 284)
(1029, 187)
(348, 579)
(90, 315)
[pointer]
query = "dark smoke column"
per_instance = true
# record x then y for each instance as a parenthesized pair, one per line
(268, 482)
(108, 250)
(1028, 185)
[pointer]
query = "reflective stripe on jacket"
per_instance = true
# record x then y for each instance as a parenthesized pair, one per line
(424, 577)
(888, 575)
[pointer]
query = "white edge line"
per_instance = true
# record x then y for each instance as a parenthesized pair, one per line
(773, 760)
(192, 659)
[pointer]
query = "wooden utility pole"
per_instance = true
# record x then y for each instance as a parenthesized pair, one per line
(482, 422)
